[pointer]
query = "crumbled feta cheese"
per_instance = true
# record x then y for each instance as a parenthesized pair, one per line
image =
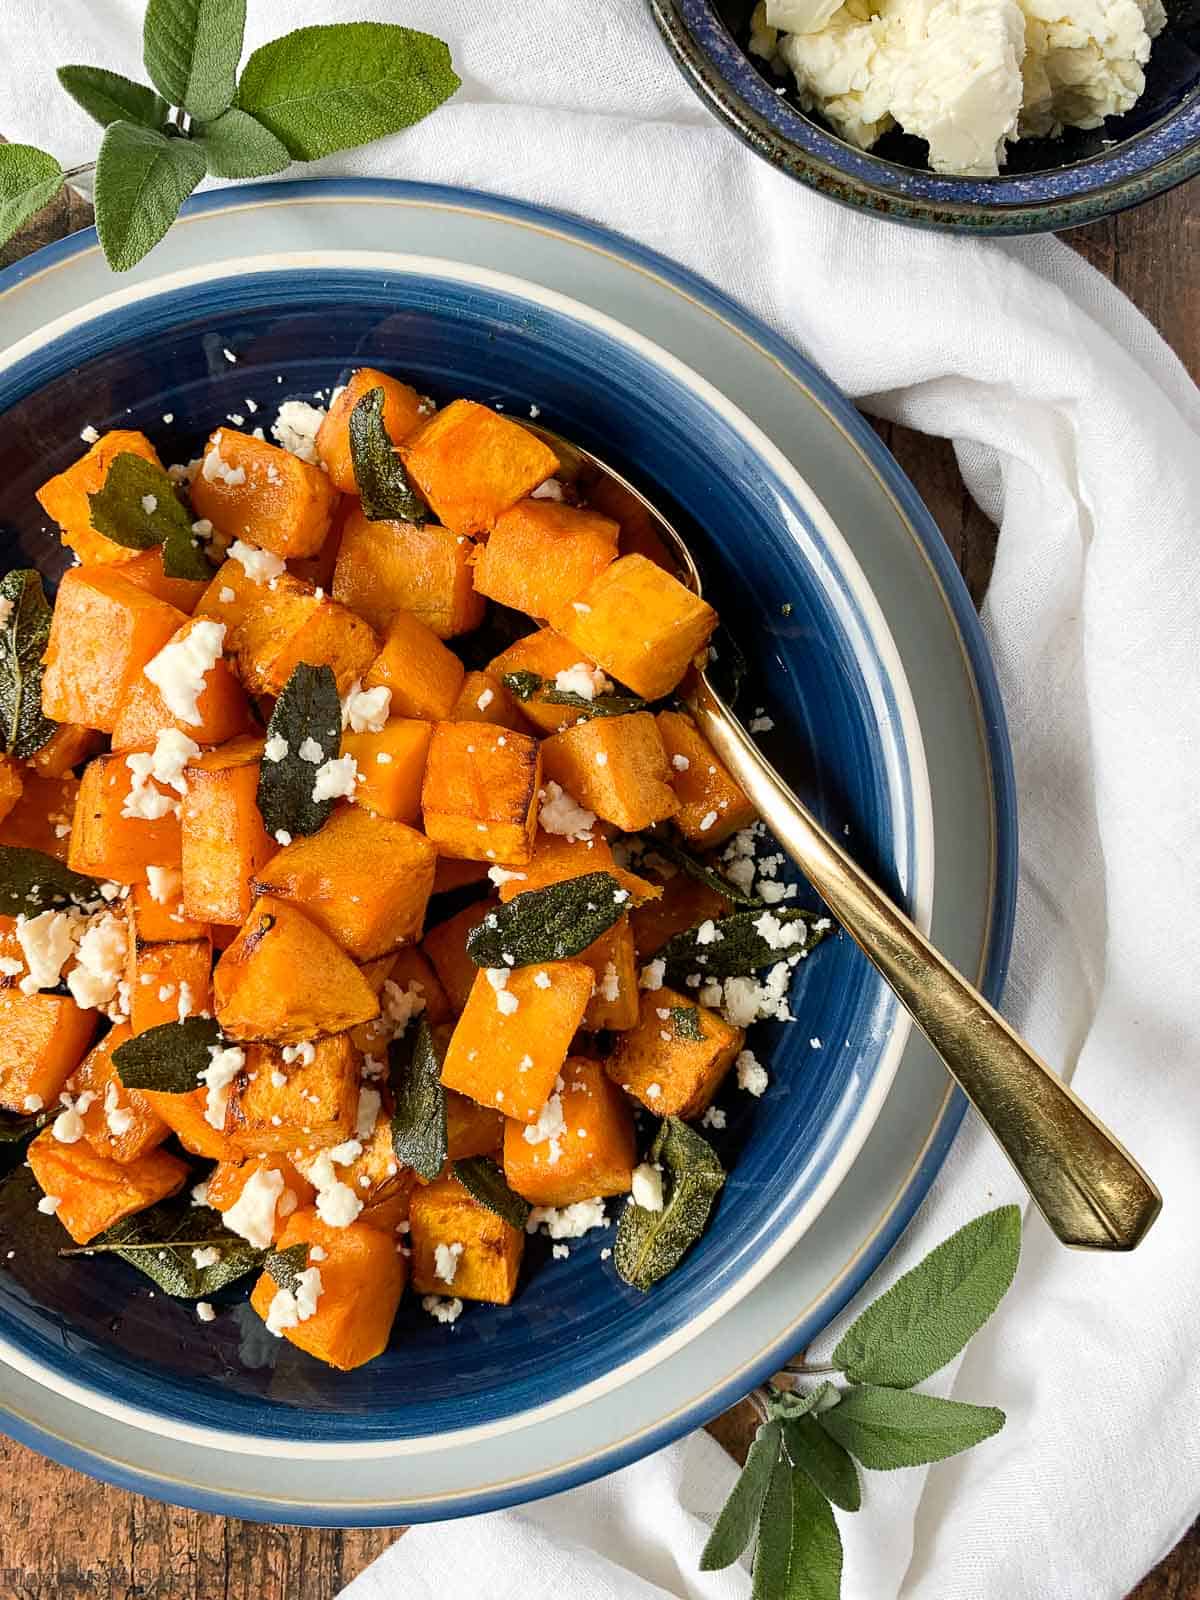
(610, 983)
(366, 710)
(445, 1261)
(252, 1215)
(276, 747)
(118, 1118)
(164, 884)
(442, 1310)
(399, 1005)
(653, 974)
(32, 1102)
(47, 942)
(580, 679)
(548, 1129)
(100, 961)
(206, 1256)
(229, 356)
(541, 980)
(779, 935)
(226, 595)
(186, 1001)
(260, 566)
(149, 504)
(165, 765)
(205, 1311)
(751, 1076)
(49, 1204)
(708, 932)
(760, 723)
(224, 1065)
(561, 814)
(714, 1117)
(567, 1222)
(506, 1003)
(215, 468)
(654, 1090)
(680, 763)
(288, 1309)
(336, 779)
(485, 699)
(501, 875)
(88, 434)
(296, 427)
(282, 836)
(707, 821)
(311, 752)
(647, 1187)
(67, 1127)
(337, 1203)
(369, 1104)
(552, 489)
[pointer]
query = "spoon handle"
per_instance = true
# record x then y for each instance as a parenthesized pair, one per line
(1087, 1186)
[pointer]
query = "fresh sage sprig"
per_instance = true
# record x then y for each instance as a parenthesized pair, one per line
(525, 686)
(802, 1462)
(31, 881)
(168, 1059)
(310, 93)
(484, 1181)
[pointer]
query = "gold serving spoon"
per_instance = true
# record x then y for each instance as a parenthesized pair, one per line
(1085, 1183)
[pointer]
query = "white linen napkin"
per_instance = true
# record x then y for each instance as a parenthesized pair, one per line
(1079, 433)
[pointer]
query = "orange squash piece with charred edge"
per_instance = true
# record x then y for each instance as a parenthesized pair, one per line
(479, 799)
(443, 1213)
(223, 841)
(94, 1192)
(616, 767)
(662, 1064)
(65, 497)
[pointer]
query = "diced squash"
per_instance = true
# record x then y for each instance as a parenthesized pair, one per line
(423, 675)
(107, 844)
(10, 950)
(391, 767)
(93, 1192)
(407, 976)
(451, 874)
(287, 623)
(224, 709)
(594, 1154)
(251, 490)
(484, 698)
(639, 623)
(223, 841)
(556, 858)
(377, 973)
(362, 1279)
(611, 957)
(65, 497)
(43, 1038)
(547, 653)
(42, 817)
(510, 1058)
(230, 595)
(471, 1129)
(320, 568)
(146, 572)
(471, 464)
(542, 554)
(161, 921)
(226, 1181)
(711, 804)
(168, 982)
(365, 879)
(284, 979)
(119, 1123)
(310, 1100)
(11, 785)
(480, 794)
(375, 1176)
(69, 746)
(446, 948)
(103, 632)
(410, 968)
(486, 1268)
(185, 1115)
(657, 1063)
(639, 528)
(616, 767)
(387, 567)
(685, 902)
(402, 412)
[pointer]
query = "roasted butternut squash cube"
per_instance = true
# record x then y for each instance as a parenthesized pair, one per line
(65, 497)
(480, 1254)
(103, 632)
(403, 411)
(249, 489)
(319, 569)
(168, 982)
(451, 874)
(471, 1129)
(556, 858)
(387, 567)
(663, 1066)
(69, 746)
(186, 1116)
(381, 1183)
(407, 987)
(11, 785)
(43, 1038)
(118, 1123)
(93, 1192)
(42, 818)
(223, 841)
(145, 571)
(594, 1153)
(616, 767)
(411, 969)
(711, 805)
(391, 767)
(156, 915)
(508, 1047)
(614, 1004)
(106, 843)
(224, 709)
(639, 623)
(362, 1279)
(365, 879)
(484, 698)
(471, 464)
(229, 596)
(545, 653)
(224, 1185)
(287, 622)
(685, 902)
(541, 554)
(446, 948)
(422, 674)
(480, 794)
(302, 1095)
(283, 979)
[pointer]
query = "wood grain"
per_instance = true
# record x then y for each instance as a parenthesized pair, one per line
(65, 1537)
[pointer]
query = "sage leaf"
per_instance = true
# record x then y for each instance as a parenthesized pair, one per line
(685, 1020)
(525, 686)
(159, 1243)
(191, 49)
(285, 1266)
(331, 87)
(686, 862)
(484, 1181)
(740, 947)
(23, 635)
(110, 97)
(307, 713)
(550, 924)
(930, 1314)
(29, 180)
(888, 1428)
(236, 146)
(785, 1403)
(136, 506)
(735, 1526)
(829, 1466)
(169, 1058)
(799, 1554)
(383, 486)
(650, 1244)
(17, 1126)
(142, 179)
(419, 1103)
(31, 882)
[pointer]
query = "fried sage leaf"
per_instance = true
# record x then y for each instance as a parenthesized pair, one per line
(741, 944)
(650, 1244)
(383, 486)
(161, 1243)
(685, 1020)
(285, 1266)
(485, 1182)
(136, 506)
(525, 686)
(168, 1058)
(550, 924)
(17, 1126)
(23, 635)
(419, 1115)
(686, 862)
(308, 719)
(31, 882)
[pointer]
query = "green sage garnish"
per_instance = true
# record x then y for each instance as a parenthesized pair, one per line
(686, 1022)
(525, 686)
(285, 1266)
(686, 862)
(159, 1243)
(550, 924)
(308, 718)
(18, 1126)
(23, 635)
(650, 1244)
(383, 485)
(484, 1181)
(740, 946)
(31, 882)
(137, 507)
(168, 1059)
(419, 1115)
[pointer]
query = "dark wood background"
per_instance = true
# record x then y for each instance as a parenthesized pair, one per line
(65, 1537)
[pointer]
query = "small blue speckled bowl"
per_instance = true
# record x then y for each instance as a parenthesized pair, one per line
(1049, 183)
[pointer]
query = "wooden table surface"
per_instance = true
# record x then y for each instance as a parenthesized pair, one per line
(65, 1537)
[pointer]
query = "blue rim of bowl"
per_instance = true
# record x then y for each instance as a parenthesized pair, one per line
(1136, 169)
(998, 937)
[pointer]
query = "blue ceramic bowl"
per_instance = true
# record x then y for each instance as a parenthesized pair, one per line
(1048, 183)
(820, 657)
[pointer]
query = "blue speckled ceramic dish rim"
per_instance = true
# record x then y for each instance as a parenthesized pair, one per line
(123, 1469)
(1134, 169)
